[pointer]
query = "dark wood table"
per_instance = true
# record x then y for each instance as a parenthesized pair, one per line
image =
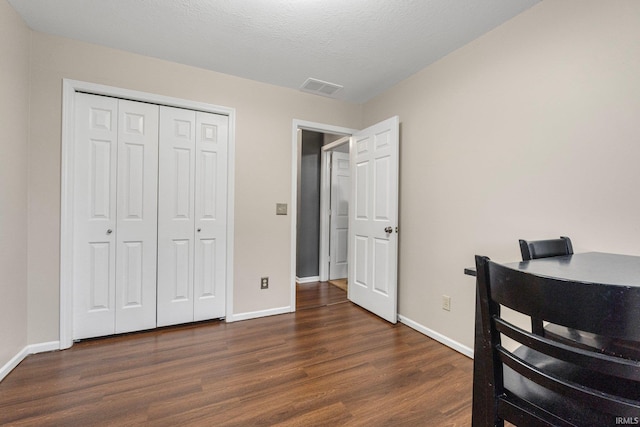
(590, 267)
(594, 267)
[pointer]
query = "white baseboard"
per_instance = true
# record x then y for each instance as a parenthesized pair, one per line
(30, 349)
(43, 347)
(302, 280)
(11, 364)
(257, 314)
(437, 336)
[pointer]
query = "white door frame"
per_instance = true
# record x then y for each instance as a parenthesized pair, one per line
(325, 204)
(69, 88)
(315, 127)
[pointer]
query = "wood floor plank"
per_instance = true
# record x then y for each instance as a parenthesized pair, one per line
(317, 294)
(330, 363)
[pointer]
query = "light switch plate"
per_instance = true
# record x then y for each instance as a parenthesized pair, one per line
(281, 208)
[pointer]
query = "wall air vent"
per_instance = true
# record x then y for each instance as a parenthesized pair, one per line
(320, 87)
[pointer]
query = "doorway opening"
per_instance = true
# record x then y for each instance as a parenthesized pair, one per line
(314, 146)
(373, 214)
(323, 213)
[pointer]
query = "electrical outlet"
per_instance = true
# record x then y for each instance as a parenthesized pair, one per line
(446, 302)
(264, 283)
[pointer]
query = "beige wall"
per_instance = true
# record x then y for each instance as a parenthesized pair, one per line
(14, 113)
(543, 111)
(264, 116)
(532, 131)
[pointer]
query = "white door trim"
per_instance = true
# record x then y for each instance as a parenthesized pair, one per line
(69, 88)
(316, 127)
(325, 204)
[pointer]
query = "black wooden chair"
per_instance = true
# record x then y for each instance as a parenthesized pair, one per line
(534, 249)
(545, 382)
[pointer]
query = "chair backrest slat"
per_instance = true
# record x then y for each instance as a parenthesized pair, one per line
(570, 390)
(515, 408)
(606, 364)
(568, 303)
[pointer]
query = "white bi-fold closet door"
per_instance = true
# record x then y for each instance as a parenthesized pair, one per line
(192, 216)
(115, 220)
(130, 181)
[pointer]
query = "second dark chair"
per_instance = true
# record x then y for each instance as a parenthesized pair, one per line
(560, 247)
(535, 249)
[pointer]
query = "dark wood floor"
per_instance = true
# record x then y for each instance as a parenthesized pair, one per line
(318, 294)
(330, 363)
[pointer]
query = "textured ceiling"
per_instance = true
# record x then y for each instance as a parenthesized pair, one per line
(364, 45)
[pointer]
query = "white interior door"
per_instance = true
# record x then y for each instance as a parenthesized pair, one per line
(176, 219)
(373, 249)
(94, 213)
(137, 227)
(212, 135)
(339, 234)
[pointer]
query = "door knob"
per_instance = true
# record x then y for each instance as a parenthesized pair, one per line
(109, 231)
(388, 230)
(199, 229)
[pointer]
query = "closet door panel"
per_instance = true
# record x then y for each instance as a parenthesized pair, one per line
(210, 221)
(176, 218)
(94, 237)
(137, 216)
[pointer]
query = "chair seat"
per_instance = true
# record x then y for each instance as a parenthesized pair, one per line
(588, 341)
(520, 389)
